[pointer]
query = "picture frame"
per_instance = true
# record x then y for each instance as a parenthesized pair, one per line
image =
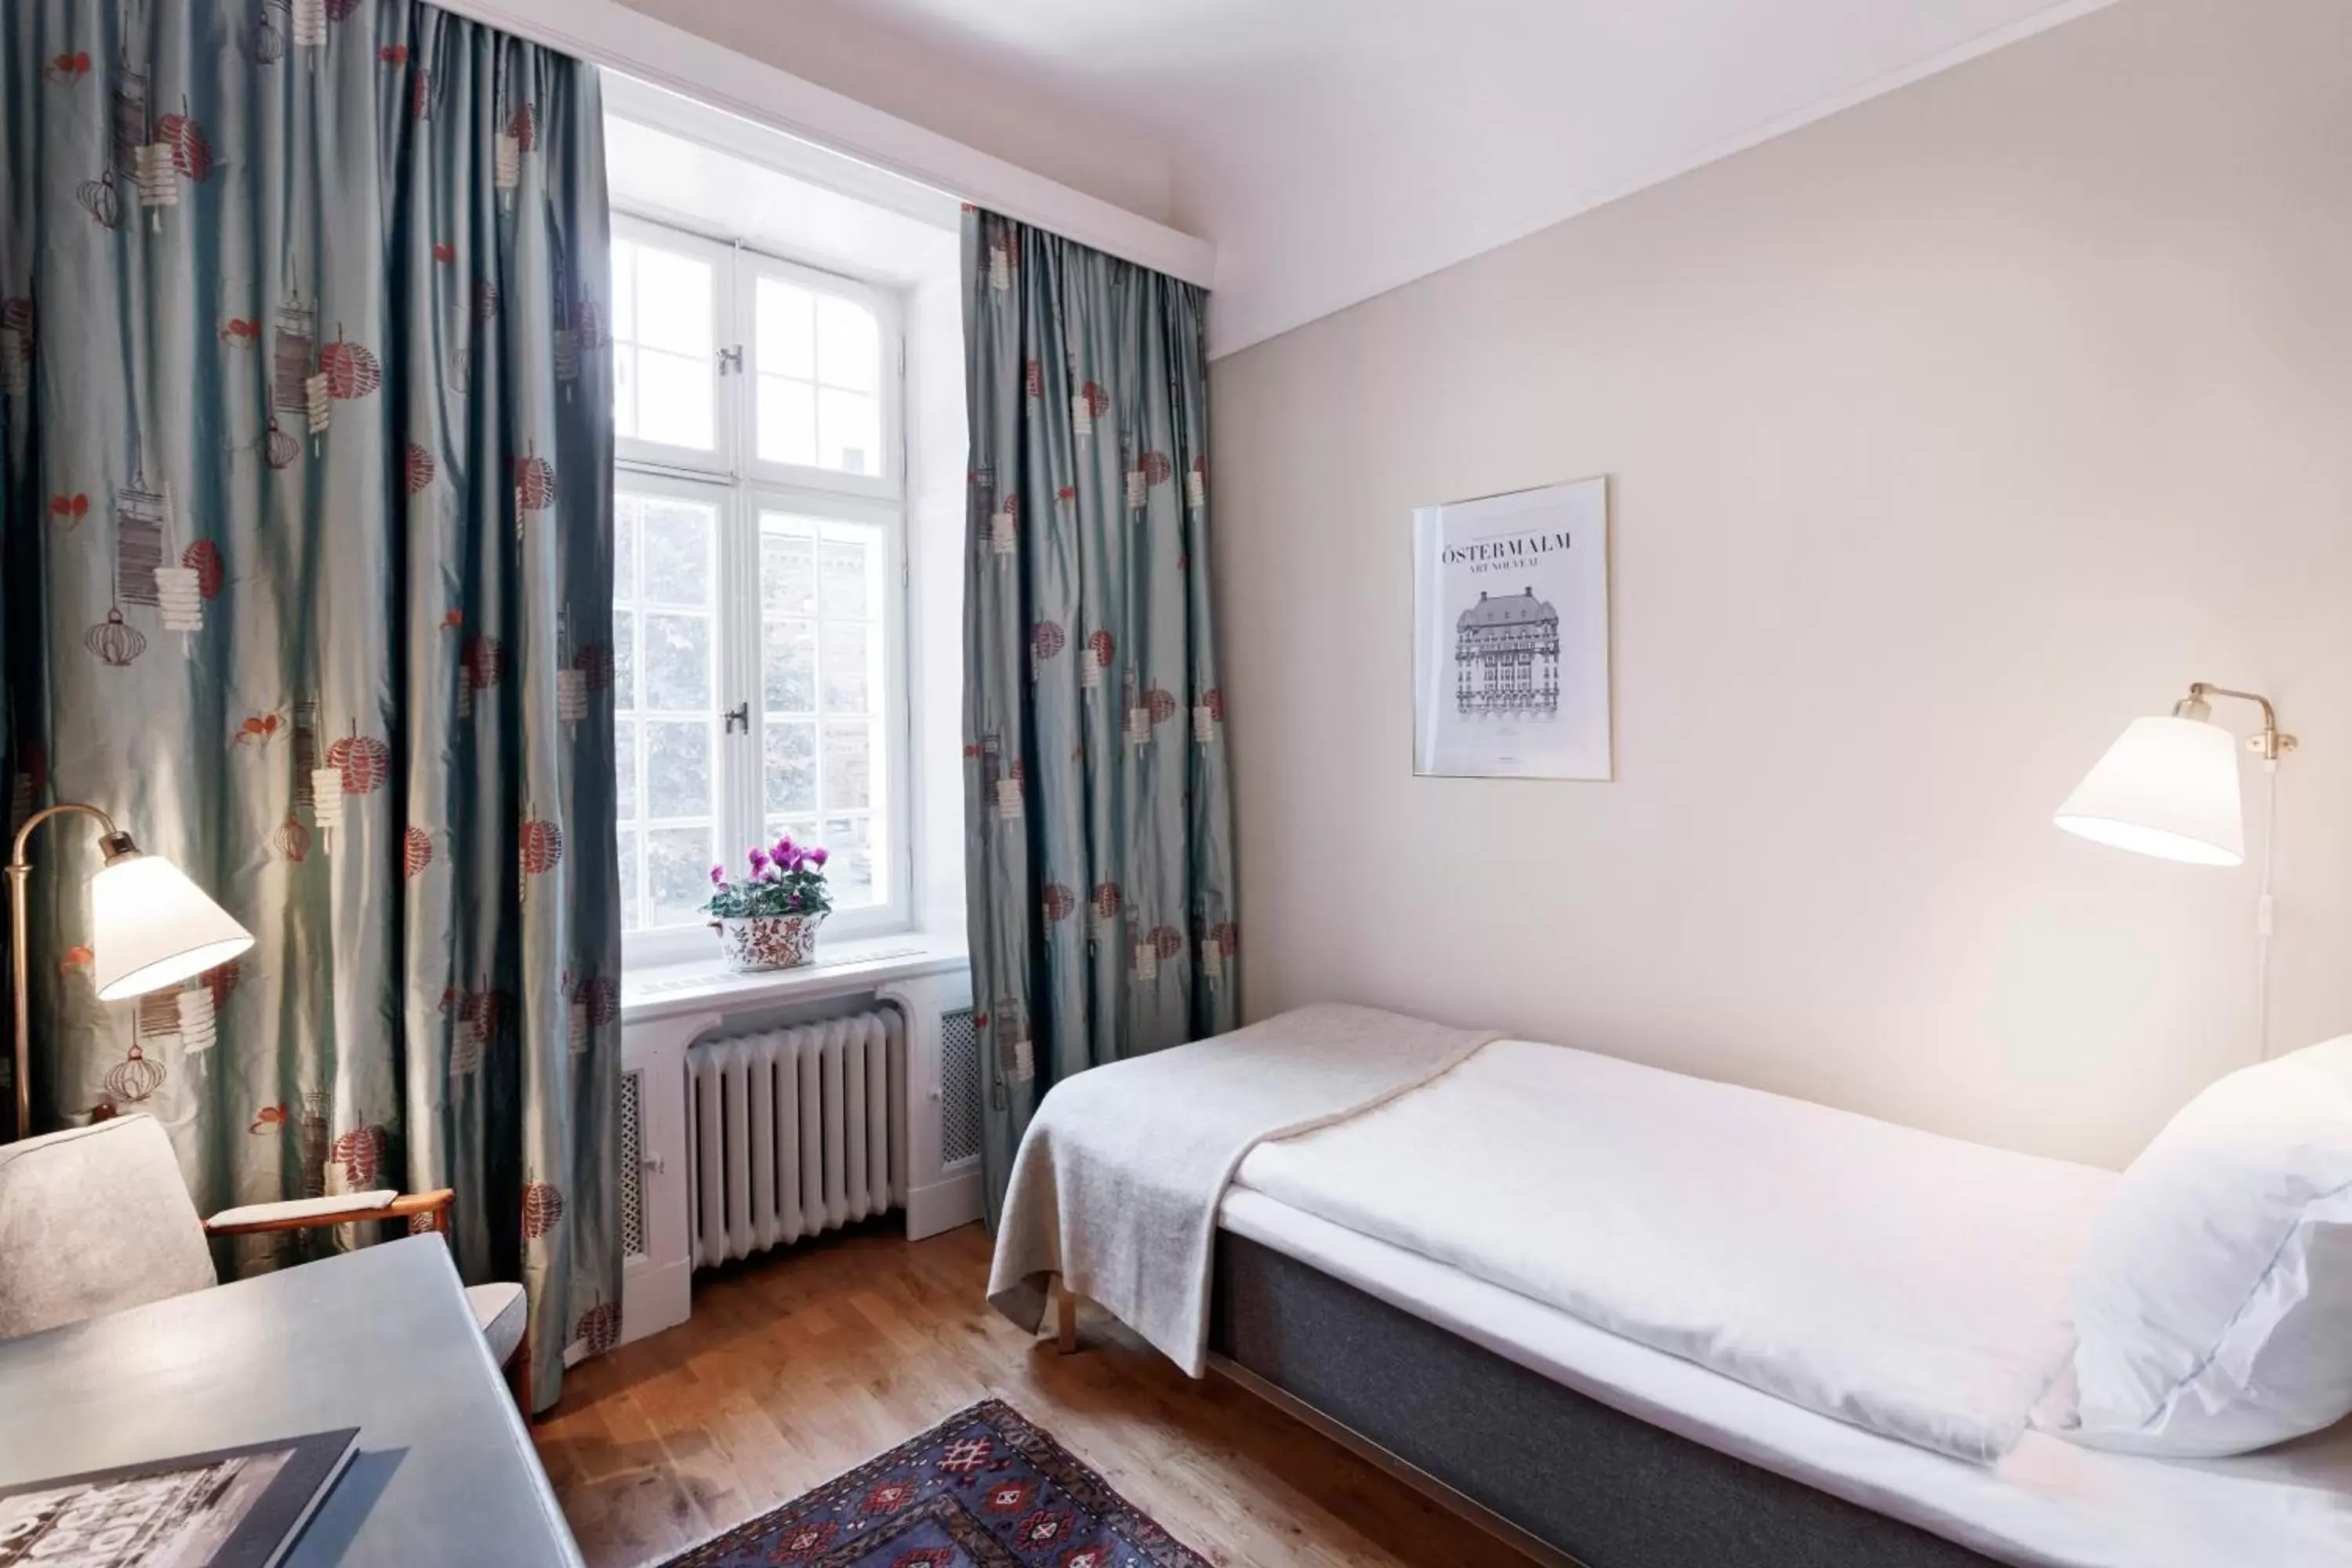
(1511, 636)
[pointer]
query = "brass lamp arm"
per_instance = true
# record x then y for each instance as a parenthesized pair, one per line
(2270, 745)
(112, 838)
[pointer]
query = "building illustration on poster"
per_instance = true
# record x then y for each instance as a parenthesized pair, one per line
(1511, 636)
(1506, 656)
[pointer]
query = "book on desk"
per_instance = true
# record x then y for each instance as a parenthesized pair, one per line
(229, 1507)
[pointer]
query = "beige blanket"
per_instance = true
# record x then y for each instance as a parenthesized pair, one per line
(1115, 1184)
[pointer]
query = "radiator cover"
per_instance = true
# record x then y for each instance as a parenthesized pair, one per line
(929, 1137)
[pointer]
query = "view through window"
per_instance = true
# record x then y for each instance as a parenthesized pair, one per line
(759, 525)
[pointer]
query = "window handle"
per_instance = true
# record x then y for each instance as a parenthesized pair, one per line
(740, 714)
(732, 359)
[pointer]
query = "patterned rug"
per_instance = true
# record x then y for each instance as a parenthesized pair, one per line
(981, 1489)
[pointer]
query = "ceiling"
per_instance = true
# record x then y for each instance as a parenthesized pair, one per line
(1334, 149)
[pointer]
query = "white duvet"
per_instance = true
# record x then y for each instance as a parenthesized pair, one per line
(1912, 1285)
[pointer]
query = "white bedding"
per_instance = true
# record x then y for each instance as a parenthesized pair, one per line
(2047, 1503)
(1912, 1285)
(1116, 1184)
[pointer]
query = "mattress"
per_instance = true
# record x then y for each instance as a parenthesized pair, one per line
(1912, 1284)
(2044, 1503)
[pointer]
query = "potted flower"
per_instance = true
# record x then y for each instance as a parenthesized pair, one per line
(769, 920)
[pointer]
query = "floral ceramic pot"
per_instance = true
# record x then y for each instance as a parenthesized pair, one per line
(752, 943)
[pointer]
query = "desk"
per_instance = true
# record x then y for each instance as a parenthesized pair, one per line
(379, 1339)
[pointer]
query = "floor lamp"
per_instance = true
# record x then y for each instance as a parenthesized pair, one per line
(150, 928)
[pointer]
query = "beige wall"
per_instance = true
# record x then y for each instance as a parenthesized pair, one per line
(1949, 434)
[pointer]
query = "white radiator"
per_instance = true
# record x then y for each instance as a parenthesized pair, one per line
(794, 1131)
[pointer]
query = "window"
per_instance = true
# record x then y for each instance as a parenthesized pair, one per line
(819, 365)
(759, 592)
(821, 625)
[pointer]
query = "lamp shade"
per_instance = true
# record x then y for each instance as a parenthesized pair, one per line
(2169, 787)
(150, 927)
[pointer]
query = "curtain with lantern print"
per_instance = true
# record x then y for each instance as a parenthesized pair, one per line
(309, 582)
(1099, 860)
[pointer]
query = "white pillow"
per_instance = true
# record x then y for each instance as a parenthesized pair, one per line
(2213, 1299)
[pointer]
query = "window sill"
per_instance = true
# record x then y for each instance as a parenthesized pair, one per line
(704, 985)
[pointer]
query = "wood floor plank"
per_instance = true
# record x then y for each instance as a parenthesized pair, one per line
(803, 1362)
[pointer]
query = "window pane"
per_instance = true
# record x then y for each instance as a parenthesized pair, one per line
(677, 551)
(848, 766)
(677, 868)
(625, 390)
(849, 581)
(624, 771)
(678, 662)
(788, 666)
(624, 290)
(624, 547)
(787, 335)
(673, 397)
(677, 770)
(632, 911)
(791, 747)
(672, 304)
(848, 344)
(625, 660)
(787, 569)
(849, 867)
(787, 421)
(802, 828)
(848, 431)
(852, 673)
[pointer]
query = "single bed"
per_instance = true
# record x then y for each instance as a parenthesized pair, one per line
(1626, 1318)
(1508, 1404)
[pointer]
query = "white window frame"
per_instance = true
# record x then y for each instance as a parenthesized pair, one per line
(890, 483)
(732, 478)
(635, 452)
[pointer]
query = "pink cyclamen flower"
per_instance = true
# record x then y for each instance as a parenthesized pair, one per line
(783, 849)
(759, 860)
(817, 858)
(719, 875)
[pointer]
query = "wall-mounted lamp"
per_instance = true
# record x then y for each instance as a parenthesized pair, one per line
(150, 928)
(2170, 786)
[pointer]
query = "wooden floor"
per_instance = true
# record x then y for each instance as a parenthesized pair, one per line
(797, 1366)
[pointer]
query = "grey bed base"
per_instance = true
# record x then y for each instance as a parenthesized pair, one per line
(1562, 1476)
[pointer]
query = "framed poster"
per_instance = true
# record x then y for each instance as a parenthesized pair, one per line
(1511, 635)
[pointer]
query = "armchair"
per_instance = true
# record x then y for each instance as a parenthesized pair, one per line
(96, 1219)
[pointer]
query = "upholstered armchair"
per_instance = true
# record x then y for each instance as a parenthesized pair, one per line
(96, 1219)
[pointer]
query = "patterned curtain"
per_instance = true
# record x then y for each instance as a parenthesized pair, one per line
(308, 567)
(1100, 874)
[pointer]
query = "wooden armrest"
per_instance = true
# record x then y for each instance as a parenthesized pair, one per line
(406, 1206)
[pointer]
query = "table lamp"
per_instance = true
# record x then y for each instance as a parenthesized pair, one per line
(150, 928)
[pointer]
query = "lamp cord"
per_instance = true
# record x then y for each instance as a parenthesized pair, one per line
(2266, 921)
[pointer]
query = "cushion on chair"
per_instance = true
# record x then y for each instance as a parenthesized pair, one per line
(498, 1309)
(95, 1219)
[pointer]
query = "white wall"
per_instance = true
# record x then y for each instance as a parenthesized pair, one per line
(900, 73)
(938, 453)
(1949, 434)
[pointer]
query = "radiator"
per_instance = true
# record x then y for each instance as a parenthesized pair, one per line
(790, 1132)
